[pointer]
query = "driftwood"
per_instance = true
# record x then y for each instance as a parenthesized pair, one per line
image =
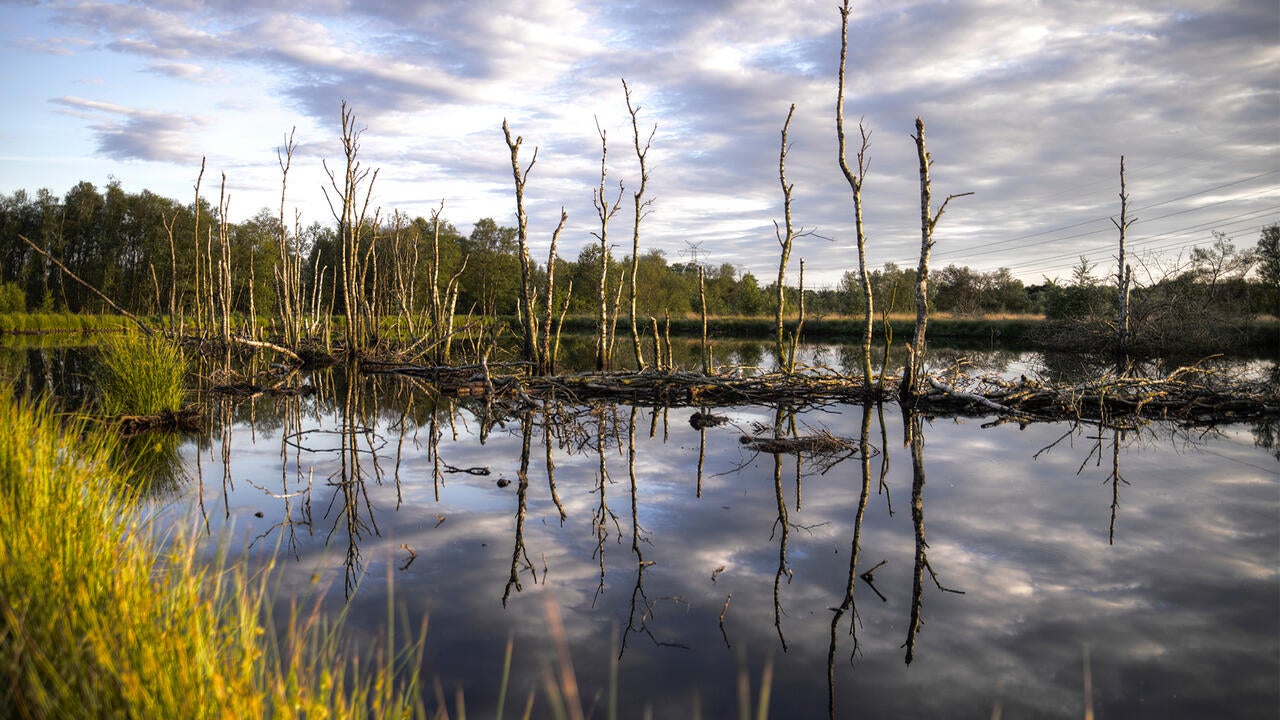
(184, 419)
(820, 444)
(1191, 394)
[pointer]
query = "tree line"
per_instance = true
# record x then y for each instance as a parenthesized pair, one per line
(120, 242)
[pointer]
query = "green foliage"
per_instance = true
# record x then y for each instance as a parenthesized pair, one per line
(12, 298)
(141, 376)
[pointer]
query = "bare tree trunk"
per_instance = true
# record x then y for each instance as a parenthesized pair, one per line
(795, 337)
(546, 358)
(785, 240)
(351, 220)
(528, 321)
(641, 206)
(146, 329)
(606, 211)
(288, 280)
(702, 298)
(169, 224)
(912, 377)
(855, 184)
(1123, 272)
(224, 263)
(195, 246)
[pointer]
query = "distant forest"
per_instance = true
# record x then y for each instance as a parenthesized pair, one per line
(142, 250)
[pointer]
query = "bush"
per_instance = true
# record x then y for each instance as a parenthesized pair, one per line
(12, 298)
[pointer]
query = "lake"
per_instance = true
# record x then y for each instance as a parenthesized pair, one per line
(1040, 571)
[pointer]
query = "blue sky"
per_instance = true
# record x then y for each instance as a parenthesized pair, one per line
(1027, 104)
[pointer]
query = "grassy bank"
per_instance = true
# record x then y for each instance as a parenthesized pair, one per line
(99, 618)
(43, 323)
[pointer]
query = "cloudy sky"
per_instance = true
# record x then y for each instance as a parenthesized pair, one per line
(1029, 105)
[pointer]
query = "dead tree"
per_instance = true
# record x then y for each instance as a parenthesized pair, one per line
(528, 322)
(641, 209)
(785, 239)
(288, 272)
(606, 211)
(1124, 273)
(855, 184)
(351, 214)
(195, 246)
(547, 353)
(913, 376)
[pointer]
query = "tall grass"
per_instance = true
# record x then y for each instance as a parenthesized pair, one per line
(140, 375)
(99, 618)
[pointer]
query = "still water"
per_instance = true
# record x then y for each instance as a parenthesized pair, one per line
(1043, 571)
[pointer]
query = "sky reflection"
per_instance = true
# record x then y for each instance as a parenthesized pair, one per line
(1176, 599)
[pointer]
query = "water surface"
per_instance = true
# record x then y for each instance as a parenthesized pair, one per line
(1010, 567)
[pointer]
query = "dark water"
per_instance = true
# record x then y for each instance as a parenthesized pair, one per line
(694, 561)
(1011, 569)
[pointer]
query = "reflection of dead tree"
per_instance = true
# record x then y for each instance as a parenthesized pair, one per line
(602, 515)
(785, 524)
(551, 463)
(522, 490)
(349, 480)
(1115, 479)
(641, 606)
(292, 421)
(847, 606)
(915, 439)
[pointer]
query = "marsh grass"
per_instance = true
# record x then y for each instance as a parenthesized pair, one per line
(102, 617)
(140, 376)
(48, 323)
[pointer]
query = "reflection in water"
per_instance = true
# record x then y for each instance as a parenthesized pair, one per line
(847, 605)
(915, 439)
(1041, 575)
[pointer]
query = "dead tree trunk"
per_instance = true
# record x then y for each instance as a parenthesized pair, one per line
(913, 376)
(855, 184)
(641, 209)
(289, 270)
(785, 240)
(606, 211)
(351, 217)
(547, 356)
(1124, 273)
(529, 328)
(195, 247)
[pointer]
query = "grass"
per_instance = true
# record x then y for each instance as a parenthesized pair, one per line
(42, 323)
(100, 618)
(140, 375)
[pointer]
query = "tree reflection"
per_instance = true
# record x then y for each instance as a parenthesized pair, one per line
(522, 490)
(847, 605)
(915, 440)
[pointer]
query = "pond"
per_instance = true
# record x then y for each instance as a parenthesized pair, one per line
(857, 561)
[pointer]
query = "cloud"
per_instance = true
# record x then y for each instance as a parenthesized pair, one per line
(1028, 104)
(130, 134)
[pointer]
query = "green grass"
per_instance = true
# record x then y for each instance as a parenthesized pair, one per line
(140, 375)
(43, 323)
(99, 617)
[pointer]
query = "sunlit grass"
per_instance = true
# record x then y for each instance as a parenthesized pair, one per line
(100, 618)
(140, 375)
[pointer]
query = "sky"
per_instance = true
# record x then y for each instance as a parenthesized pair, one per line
(1028, 105)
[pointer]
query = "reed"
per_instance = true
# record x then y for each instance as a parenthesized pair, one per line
(140, 375)
(100, 616)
